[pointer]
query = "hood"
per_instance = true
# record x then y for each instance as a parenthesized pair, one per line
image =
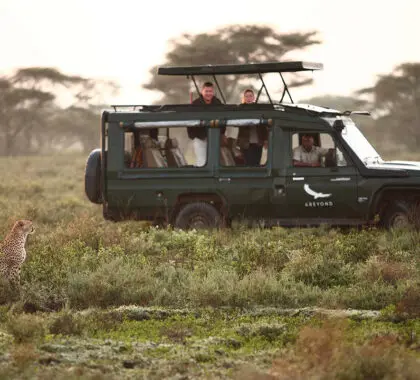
(411, 166)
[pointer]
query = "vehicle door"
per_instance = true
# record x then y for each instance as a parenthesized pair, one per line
(245, 186)
(327, 191)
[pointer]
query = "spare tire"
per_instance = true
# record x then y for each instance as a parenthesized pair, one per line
(93, 177)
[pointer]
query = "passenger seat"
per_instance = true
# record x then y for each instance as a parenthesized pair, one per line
(174, 156)
(151, 153)
(226, 157)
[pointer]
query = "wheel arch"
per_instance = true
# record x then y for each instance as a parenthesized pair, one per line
(387, 194)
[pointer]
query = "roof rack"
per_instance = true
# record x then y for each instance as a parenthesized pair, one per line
(134, 107)
(245, 68)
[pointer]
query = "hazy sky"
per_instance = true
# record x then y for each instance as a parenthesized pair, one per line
(121, 40)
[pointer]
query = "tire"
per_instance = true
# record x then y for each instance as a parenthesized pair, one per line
(93, 177)
(399, 215)
(198, 215)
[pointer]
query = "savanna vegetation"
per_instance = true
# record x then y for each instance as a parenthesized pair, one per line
(103, 300)
(127, 300)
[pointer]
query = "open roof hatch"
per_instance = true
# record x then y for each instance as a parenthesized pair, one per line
(246, 68)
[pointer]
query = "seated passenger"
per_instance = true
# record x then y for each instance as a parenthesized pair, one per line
(252, 139)
(308, 154)
(199, 134)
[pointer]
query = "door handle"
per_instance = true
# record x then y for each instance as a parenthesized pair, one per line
(278, 189)
(224, 180)
(340, 179)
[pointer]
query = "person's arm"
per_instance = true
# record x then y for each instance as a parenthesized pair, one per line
(323, 151)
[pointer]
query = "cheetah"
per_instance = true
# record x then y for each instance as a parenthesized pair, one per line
(12, 251)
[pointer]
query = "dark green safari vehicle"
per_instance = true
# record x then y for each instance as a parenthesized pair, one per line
(146, 167)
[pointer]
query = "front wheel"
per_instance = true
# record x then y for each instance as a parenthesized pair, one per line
(401, 215)
(198, 215)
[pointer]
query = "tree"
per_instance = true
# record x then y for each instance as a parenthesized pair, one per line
(31, 114)
(395, 101)
(18, 111)
(76, 125)
(227, 45)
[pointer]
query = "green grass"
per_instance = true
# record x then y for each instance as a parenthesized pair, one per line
(207, 304)
(154, 343)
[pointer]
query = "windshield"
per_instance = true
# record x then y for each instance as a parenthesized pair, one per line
(358, 142)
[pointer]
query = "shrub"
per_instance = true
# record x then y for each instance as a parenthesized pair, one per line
(26, 328)
(23, 355)
(112, 284)
(67, 323)
(322, 269)
(324, 353)
(409, 305)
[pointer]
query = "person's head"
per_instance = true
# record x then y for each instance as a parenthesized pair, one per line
(307, 141)
(248, 96)
(207, 92)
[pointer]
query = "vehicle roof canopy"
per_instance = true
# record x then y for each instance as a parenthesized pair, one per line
(258, 68)
(243, 68)
(246, 68)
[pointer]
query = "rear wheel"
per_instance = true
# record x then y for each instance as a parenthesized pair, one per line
(198, 215)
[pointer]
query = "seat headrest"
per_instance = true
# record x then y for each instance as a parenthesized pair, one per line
(171, 143)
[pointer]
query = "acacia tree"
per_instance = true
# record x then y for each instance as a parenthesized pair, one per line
(227, 45)
(18, 112)
(31, 116)
(395, 102)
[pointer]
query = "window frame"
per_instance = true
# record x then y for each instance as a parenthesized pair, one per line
(162, 150)
(337, 145)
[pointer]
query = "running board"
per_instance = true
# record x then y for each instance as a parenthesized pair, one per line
(310, 222)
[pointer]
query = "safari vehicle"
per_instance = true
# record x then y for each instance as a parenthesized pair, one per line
(134, 175)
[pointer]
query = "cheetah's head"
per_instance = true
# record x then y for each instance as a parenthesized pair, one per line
(24, 226)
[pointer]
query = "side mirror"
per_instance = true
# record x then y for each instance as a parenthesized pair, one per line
(338, 125)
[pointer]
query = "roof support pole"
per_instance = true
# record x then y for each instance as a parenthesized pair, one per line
(258, 94)
(286, 89)
(195, 84)
(265, 88)
(218, 87)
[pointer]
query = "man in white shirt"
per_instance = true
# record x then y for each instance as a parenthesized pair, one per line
(308, 154)
(199, 134)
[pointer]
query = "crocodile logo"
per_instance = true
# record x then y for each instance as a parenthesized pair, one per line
(314, 194)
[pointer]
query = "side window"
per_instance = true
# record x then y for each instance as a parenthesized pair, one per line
(244, 146)
(316, 150)
(162, 148)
